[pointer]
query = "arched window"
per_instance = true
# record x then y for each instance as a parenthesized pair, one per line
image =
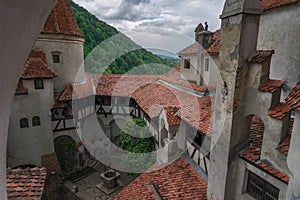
(24, 123)
(36, 121)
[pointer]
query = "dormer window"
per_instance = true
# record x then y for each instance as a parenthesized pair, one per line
(187, 63)
(56, 57)
(206, 64)
(38, 84)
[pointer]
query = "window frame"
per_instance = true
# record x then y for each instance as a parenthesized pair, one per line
(56, 54)
(186, 63)
(206, 64)
(36, 121)
(266, 189)
(22, 121)
(36, 84)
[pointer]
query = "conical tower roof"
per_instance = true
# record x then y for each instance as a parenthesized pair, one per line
(61, 20)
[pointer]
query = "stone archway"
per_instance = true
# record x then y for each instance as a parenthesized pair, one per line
(256, 130)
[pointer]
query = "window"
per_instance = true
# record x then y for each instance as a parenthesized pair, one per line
(36, 121)
(187, 63)
(206, 64)
(56, 58)
(260, 189)
(24, 123)
(38, 84)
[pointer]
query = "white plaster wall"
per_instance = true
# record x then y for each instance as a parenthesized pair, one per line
(191, 74)
(27, 145)
(294, 160)
(69, 70)
(19, 28)
(258, 103)
(210, 76)
(279, 30)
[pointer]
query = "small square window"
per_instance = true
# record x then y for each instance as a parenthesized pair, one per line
(56, 58)
(187, 63)
(206, 64)
(38, 84)
(259, 188)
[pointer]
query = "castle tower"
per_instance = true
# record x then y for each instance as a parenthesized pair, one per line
(239, 30)
(62, 42)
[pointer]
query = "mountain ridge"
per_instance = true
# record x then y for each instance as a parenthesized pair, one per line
(109, 51)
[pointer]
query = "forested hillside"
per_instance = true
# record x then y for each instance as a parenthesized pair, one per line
(108, 51)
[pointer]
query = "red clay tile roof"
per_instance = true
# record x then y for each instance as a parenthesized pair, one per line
(78, 91)
(25, 183)
(21, 89)
(195, 110)
(191, 49)
(173, 120)
(57, 103)
(179, 180)
(61, 20)
(255, 139)
(51, 163)
(270, 4)
(198, 114)
(36, 66)
(280, 111)
(261, 56)
(38, 53)
(284, 146)
(153, 96)
(275, 172)
(173, 77)
(121, 85)
(214, 48)
(271, 86)
(293, 99)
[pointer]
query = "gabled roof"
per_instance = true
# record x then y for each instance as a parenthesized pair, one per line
(36, 66)
(25, 183)
(191, 49)
(61, 20)
(293, 99)
(270, 4)
(173, 77)
(77, 91)
(21, 89)
(178, 180)
(122, 85)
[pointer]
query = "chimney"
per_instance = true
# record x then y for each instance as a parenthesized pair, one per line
(205, 37)
(198, 30)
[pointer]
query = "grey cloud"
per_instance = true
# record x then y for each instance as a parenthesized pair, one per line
(130, 10)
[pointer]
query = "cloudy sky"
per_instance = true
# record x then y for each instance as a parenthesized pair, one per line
(166, 25)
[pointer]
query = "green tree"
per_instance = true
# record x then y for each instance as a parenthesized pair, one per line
(143, 146)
